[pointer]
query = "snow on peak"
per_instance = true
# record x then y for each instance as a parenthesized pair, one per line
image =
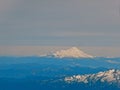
(73, 52)
(110, 76)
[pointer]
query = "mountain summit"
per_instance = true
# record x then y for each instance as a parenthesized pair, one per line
(73, 52)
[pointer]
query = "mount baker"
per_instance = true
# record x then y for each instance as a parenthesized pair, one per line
(73, 52)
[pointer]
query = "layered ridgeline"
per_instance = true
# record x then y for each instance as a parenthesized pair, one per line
(111, 77)
(73, 52)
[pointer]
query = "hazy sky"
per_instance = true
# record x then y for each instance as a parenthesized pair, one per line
(90, 23)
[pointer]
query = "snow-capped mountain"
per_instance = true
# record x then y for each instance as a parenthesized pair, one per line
(73, 52)
(110, 76)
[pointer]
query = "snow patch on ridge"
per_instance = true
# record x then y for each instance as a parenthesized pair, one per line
(110, 76)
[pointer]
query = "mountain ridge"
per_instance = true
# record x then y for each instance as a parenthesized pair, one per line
(110, 76)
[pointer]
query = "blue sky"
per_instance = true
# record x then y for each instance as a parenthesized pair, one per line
(90, 23)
